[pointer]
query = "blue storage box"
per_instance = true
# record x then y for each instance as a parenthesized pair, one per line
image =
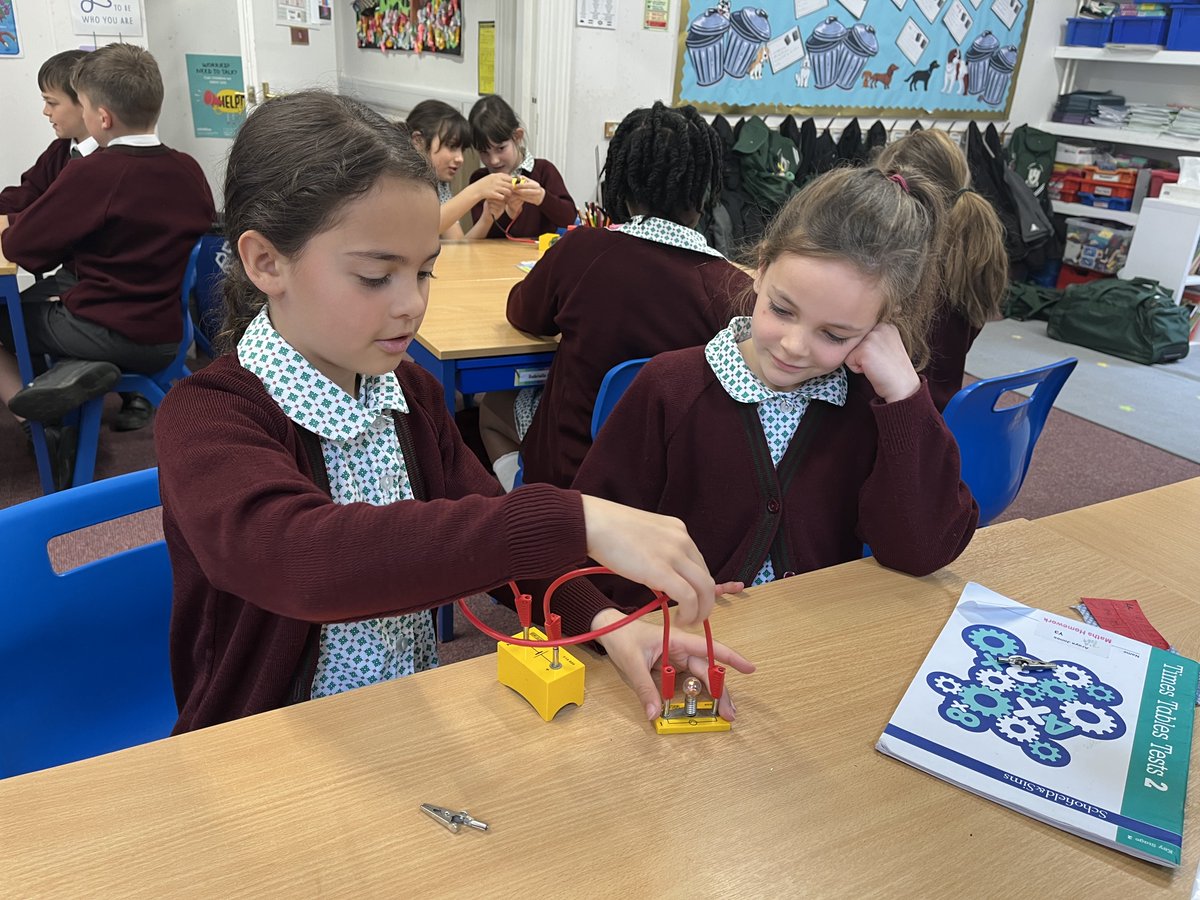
(1114, 203)
(1088, 32)
(1184, 33)
(1139, 30)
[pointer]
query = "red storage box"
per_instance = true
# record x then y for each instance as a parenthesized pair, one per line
(1106, 189)
(1159, 177)
(1113, 176)
(1068, 275)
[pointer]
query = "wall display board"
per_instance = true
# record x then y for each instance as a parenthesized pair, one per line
(419, 26)
(951, 58)
(10, 41)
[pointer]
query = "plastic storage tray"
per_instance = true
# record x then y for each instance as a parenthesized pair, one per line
(1184, 33)
(1088, 32)
(1101, 248)
(1139, 30)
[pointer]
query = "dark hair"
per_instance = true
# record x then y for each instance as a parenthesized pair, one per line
(435, 119)
(123, 78)
(885, 224)
(665, 161)
(973, 259)
(295, 163)
(492, 122)
(55, 73)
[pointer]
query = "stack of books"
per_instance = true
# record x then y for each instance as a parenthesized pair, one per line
(1081, 107)
(1185, 123)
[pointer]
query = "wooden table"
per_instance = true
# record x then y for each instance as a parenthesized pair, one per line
(12, 299)
(465, 339)
(1154, 527)
(322, 798)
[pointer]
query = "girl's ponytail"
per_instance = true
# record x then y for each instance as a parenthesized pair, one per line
(974, 261)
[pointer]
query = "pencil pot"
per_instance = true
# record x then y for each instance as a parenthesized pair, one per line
(859, 46)
(749, 30)
(824, 48)
(977, 56)
(706, 45)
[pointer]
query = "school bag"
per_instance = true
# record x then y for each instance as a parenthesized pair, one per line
(1025, 301)
(1135, 320)
(768, 163)
(1031, 153)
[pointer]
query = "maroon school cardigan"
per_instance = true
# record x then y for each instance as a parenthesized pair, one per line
(127, 217)
(37, 178)
(612, 297)
(556, 211)
(950, 339)
(262, 556)
(884, 474)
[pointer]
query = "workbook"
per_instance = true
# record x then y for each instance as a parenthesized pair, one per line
(1079, 727)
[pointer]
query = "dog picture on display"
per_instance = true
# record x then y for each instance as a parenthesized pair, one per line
(956, 71)
(874, 79)
(757, 66)
(805, 73)
(921, 76)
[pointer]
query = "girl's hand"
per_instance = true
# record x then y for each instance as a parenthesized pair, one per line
(636, 648)
(653, 550)
(529, 191)
(493, 209)
(513, 206)
(882, 358)
(496, 187)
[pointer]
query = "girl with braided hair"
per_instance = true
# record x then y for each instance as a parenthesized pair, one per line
(649, 283)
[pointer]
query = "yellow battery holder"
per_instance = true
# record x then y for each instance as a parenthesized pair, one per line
(679, 722)
(527, 671)
(546, 241)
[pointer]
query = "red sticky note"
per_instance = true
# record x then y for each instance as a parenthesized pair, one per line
(1125, 617)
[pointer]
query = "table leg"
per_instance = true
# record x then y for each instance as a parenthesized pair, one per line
(12, 298)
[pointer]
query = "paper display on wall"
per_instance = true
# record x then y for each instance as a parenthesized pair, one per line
(419, 26)
(596, 14)
(111, 17)
(217, 92)
(10, 40)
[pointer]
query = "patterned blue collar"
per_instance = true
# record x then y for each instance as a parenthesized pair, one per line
(744, 386)
(308, 397)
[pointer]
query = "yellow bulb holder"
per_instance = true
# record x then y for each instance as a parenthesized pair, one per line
(678, 722)
(546, 241)
(527, 670)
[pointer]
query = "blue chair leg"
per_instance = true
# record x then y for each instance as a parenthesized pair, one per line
(89, 440)
(445, 622)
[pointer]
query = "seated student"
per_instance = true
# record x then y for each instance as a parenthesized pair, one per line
(539, 203)
(127, 217)
(72, 141)
(440, 131)
(803, 431)
(973, 260)
(650, 284)
(317, 496)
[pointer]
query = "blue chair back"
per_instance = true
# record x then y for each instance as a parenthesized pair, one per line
(153, 387)
(84, 659)
(996, 445)
(203, 291)
(616, 380)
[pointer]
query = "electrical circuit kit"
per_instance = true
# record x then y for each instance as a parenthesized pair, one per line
(535, 665)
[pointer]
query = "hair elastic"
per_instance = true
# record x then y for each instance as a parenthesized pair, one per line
(899, 179)
(961, 191)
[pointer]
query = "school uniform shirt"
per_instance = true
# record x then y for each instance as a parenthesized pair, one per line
(262, 557)
(445, 194)
(950, 339)
(38, 177)
(365, 464)
(557, 209)
(865, 471)
(613, 295)
(127, 217)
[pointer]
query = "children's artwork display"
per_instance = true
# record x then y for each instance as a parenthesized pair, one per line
(418, 26)
(951, 58)
(1082, 728)
(10, 41)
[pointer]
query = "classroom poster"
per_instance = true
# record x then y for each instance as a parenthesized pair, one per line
(487, 57)
(217, 92)
(114, 17)
(949, 58)
(419, 26)
(10, 41)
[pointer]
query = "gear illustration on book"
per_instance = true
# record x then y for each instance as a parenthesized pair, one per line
(1035, 709)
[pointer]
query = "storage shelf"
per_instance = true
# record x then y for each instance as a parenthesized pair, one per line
(1121, 136)
(1146, 54)
(1082, 209)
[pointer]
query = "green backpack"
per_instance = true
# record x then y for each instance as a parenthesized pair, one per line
(1135, 320)
(1029, 301)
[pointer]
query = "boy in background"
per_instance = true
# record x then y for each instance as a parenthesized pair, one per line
(127, 217)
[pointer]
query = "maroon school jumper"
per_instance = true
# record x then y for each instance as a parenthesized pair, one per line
(612, 297)
(37, 178)
(557, 209)
(127, 217)
(950, 339)
(884, 474)
(261, 554)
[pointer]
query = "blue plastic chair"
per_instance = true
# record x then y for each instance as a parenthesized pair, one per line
(996, 445)
(153, 387)
(84, 659)
(616, 380)
(205, 290)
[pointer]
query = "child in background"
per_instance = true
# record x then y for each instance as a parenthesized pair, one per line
(72, 141)
(802, 432)
(649, 285)
(317, 496)
(440, 132)
(126, 218)
(974, 264)
(539, 203)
